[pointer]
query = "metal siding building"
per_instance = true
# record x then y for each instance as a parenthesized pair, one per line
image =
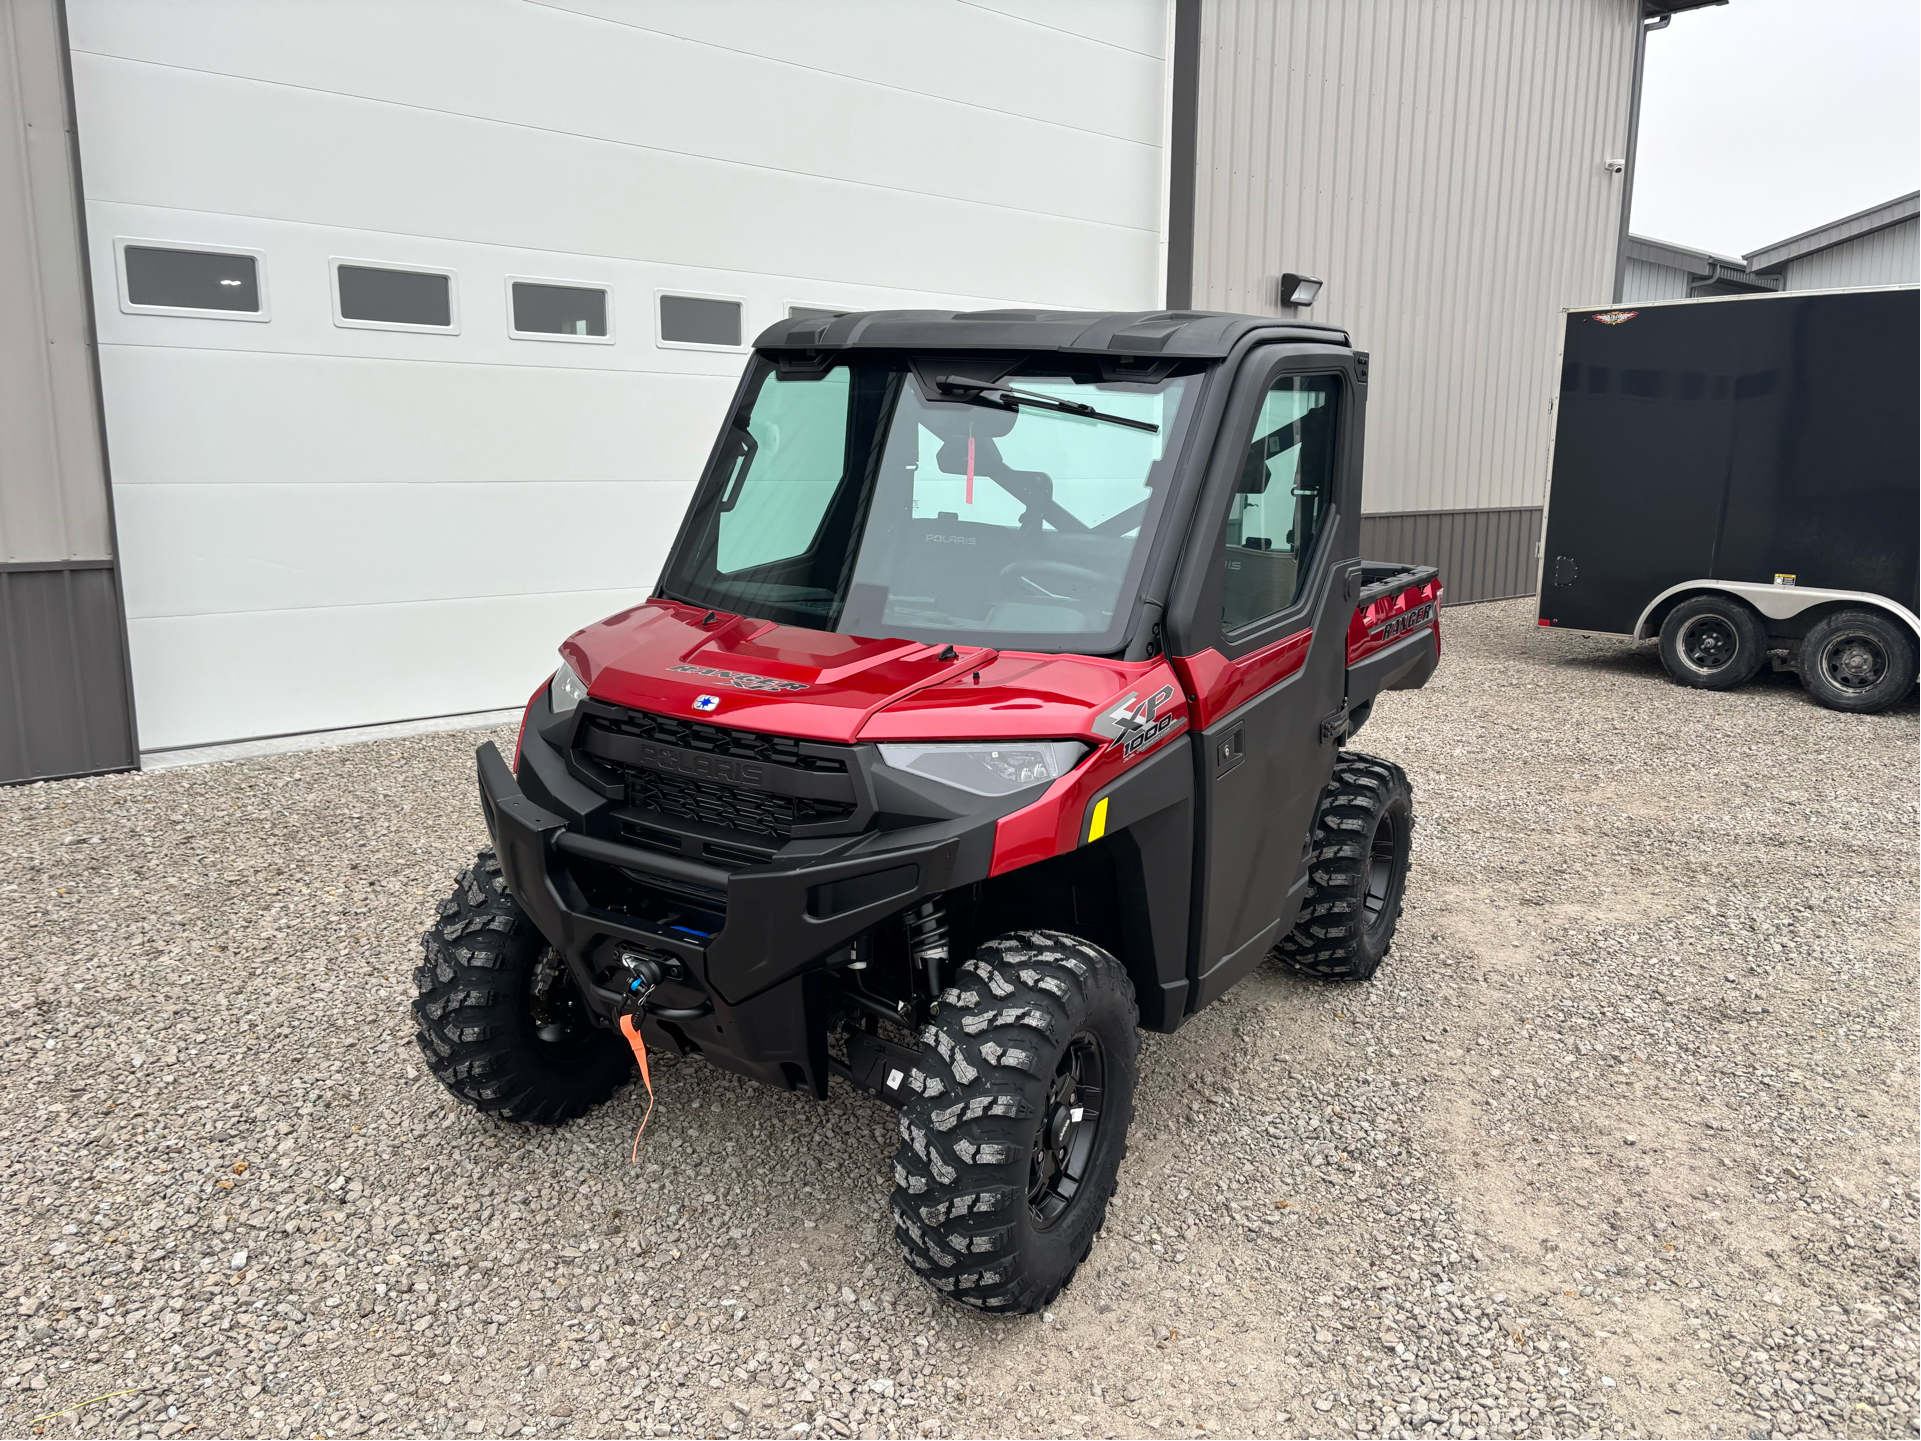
(64, 702)
(1877, 246)
(327, 521)
(1442, 165)
(1651, 280)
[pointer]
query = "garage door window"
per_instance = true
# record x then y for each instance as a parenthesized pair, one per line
(549, 310)
(380, 297)
(702, 322)
(174, 280)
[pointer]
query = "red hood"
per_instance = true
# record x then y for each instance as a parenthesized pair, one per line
(821, 686)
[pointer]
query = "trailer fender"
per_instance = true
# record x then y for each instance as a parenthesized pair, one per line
(1776, 602)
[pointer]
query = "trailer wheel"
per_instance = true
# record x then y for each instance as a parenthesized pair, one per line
(501, 1023)
(1013, 1134)
(1713, 642)
(1357, 872)
(1857, 660)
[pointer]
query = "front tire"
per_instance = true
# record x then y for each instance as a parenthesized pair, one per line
(501, 1023)
(1357, 872)
(1713, 642)
(1013, 1138)
(1857, 660)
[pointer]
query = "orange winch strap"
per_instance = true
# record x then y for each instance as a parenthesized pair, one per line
(632, 1033)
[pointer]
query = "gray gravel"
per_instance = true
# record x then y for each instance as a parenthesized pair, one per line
(1621, 1141)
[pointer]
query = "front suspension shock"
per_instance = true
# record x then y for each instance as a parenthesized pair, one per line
(927, 944)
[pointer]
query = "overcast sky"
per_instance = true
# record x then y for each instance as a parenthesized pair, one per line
(1764, 118)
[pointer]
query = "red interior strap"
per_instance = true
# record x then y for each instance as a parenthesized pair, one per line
(632, 1032)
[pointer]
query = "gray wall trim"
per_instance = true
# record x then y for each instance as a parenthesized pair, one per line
(1182, 156)
(1482, 554)
(1633, 147)
(63, 675)
(14, 565)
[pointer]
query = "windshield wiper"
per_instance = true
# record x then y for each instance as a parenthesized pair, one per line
(978, 392)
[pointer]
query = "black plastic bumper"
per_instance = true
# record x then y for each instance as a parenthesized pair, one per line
(758, 972)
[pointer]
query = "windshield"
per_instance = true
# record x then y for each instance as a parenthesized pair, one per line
(882, 497)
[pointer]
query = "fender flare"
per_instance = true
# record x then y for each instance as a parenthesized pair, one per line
(1777, 602)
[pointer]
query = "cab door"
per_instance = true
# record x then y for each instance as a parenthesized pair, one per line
(1259, 619)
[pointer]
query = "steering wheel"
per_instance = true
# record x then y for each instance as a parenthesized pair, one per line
(1036, 572)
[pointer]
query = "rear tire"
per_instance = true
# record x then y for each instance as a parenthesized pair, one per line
(1857, 660)
(1713, 642)
(1013, 1137)
(1357, 872)
(501, 1023)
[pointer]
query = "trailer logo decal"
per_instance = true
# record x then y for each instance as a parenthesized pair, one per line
(1616, 317)
(1138, 724)
(740, 680)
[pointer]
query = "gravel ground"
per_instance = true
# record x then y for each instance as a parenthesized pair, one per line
(1621, 1141)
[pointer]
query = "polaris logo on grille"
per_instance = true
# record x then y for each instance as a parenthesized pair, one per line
(741, 680)
(706, 702)
(699, 767)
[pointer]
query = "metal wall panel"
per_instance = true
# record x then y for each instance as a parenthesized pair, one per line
(1441, 164)
(63, 674)
(1483, 554)
(1884, 257)
(64, 706)
(1644, 280)
(53, 490)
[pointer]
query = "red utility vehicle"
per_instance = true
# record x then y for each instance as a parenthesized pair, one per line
(990, 708)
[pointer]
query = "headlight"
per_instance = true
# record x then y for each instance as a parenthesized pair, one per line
(987, 768)
(567, 690)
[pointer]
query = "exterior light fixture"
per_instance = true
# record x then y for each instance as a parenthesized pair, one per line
(1301, 290)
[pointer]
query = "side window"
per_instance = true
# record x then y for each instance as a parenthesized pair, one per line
(547, 310)
(387, 297)
(1285, 491)
(786, 470)
(162, 279)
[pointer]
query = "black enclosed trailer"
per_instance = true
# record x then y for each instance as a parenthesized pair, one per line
(1741, 476)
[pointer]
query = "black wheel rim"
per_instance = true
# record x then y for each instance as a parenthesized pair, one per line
(1069, 1130)
(554, 1005)
(1709, 643)
(1383, 856)
(1854, 662)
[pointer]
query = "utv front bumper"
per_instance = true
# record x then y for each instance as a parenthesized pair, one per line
(750, 943)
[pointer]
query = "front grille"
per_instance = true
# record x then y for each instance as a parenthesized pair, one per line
(713, 801)
(716, 740)
(733, 808)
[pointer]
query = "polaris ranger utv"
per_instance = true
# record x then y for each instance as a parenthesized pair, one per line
(990, 707)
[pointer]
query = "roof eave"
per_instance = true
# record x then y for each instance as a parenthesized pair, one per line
(1835, 232)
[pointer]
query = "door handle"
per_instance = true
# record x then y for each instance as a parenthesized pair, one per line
(1229, 750)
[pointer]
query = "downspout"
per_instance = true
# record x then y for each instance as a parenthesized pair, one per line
(1634, 140)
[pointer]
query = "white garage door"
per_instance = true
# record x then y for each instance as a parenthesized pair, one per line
(358, 475)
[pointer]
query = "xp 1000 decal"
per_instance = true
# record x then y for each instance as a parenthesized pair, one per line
(1140, 725)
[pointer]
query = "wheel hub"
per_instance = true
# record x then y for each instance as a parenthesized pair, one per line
(1069, 1124)
(1709, 643)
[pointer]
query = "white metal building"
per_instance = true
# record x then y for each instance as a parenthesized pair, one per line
(381, 344)
(1877, 246)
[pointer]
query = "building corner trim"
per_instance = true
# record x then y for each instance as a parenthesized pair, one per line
(1183, 143)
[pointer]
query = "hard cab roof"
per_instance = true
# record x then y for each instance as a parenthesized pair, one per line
(1195, 334)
